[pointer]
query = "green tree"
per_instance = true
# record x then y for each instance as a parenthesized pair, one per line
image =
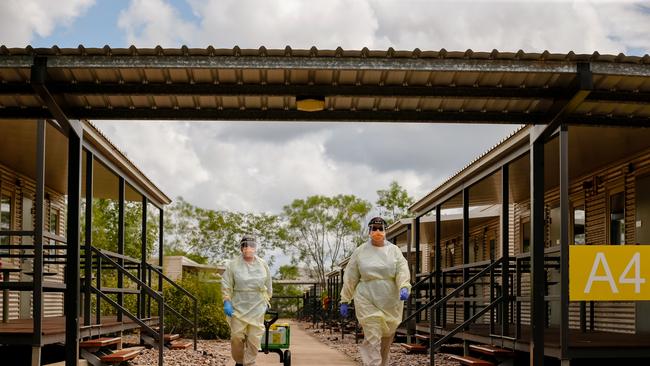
(324, 229)
(289, 306)
(393, 203)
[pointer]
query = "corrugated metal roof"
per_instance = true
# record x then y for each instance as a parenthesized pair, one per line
(357, 85)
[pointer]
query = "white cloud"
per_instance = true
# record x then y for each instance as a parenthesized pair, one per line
(149, 23)
(21, 20)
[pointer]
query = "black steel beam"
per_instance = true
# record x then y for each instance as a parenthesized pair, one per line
(416, 233)
(161, 226)
(39, 221)
(564, 241)
(72, 294)
(505, 248)
(538, 276)
(120, 242)
(292, 90)
(214, 114)
(88, 237)
(38, 79)
(583, 85)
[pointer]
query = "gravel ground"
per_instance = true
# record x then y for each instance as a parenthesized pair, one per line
(209, 353)
(217, 352)
(398, 356)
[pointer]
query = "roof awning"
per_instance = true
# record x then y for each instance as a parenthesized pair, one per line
(340, 85)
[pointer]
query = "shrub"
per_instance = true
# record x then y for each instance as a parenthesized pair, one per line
(211, 318)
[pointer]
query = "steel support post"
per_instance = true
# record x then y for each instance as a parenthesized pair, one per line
(120, 244)
(143, 258)
(73, 235)
(88, 238)
(466, 307)
(537, 290)
(564, 241)
(416, 293)
(505, 248)
(161, 230)
(39, 219)
(438, 264)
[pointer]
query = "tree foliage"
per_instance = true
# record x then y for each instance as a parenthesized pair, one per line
(215, 234)
(393, 203)
(325, 229)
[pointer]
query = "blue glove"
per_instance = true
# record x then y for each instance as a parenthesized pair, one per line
(344, 309)
(403, 294)
(227, 308)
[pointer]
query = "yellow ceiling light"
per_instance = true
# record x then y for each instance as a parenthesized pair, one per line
(310, 104)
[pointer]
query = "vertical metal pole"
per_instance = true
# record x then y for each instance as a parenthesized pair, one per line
(161, 331)
(98, 301)
(416, 293)
(39, 217)
(537, 291)
(438, 263)
(466, 312)
(564, 240)
(161, 231)
(143, 257)
(505, 247)
(120, 245)
(409, 303)
(88, 259)
(72, 289)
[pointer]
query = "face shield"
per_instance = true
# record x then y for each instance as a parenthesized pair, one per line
(248, 246)
(377, 229)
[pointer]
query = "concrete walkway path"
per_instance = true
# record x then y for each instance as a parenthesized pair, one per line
(306, 350)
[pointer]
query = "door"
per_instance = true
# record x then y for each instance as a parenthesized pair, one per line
(26, 263)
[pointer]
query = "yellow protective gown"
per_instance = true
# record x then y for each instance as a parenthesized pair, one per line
(373, 279)
(249, 288)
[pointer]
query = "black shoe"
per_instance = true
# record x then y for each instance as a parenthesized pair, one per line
(239, 364)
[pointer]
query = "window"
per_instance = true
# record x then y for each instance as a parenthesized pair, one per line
(617, 218)
(579, 225)
(525, 237)
(5, 217)
(54, 221)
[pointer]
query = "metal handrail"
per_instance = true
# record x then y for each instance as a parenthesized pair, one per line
(194, 324)
(436, 304)
(158, 297)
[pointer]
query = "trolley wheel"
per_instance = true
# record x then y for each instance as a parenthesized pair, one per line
(287, 358)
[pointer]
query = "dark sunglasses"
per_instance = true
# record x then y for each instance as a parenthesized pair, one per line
(376, 228)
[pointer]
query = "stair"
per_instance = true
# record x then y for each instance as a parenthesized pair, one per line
(496, 352)
(101, 342)
(180, 344)
(414, 348)
(471, 361)
(152, 340)
(122, 355)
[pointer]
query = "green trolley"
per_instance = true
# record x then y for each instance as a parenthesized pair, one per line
(276, 338)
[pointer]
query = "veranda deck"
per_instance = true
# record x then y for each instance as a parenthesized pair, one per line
(20, 331)
(590, 344)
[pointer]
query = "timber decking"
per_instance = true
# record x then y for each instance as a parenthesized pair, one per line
(19, 331)
(581, 345)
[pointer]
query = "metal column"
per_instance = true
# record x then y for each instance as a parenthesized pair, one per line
(505, 248)
(564, 241)
(143, 258)
(72, 289)
(120, 245)
(416, 233)
(466, 307)
(39, 217)
(88, 238)
(537, 291)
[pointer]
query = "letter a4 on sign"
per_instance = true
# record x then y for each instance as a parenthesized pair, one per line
(609, 273)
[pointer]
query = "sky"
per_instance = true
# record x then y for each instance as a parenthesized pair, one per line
(261, 167)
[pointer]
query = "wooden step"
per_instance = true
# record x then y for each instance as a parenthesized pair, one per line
(181, 345)
(471, 361)
(414, 348)
(122, 355)
(423, 337)
(100, 342)
(492, 351)
(171, 337)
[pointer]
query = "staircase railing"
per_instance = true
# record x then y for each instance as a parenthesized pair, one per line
(435, 304)
(102, 257)
(194, 323)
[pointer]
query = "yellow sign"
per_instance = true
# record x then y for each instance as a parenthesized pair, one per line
(609, 272)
